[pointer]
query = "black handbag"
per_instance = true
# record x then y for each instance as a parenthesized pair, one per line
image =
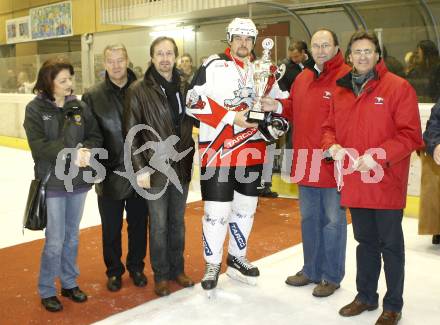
(35, 214)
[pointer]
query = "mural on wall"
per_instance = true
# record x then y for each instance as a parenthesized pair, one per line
(51, 21)
(17, 30)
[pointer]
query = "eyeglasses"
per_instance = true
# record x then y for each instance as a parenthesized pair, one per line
(324, 46)
(366, 52)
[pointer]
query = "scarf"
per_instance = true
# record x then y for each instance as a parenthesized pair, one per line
(172, 92)
(360, 80)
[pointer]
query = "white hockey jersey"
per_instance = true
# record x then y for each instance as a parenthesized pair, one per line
(222, 87)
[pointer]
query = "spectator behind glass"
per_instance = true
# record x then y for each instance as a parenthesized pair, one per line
(393, 64)
(10, 85)
(56, 120)
(422, 77)
(410, 62)
(138, 72)
(187, 71)
(298, 59)
(23, 83)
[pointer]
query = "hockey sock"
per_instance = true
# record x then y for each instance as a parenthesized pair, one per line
(215, 223)
(240, 223)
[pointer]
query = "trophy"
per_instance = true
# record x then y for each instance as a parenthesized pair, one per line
(265, 75)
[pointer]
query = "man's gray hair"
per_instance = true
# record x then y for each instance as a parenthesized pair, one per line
(115, 47)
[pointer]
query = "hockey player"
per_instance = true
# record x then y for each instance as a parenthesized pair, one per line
(231, 151)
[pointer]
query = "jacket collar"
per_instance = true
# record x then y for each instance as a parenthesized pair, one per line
(131, 77)
(149, 80)
(380, 70)
(44, 98)
(148, 76)
(332, 64)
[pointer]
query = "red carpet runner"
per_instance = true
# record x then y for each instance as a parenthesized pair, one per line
(276, 227)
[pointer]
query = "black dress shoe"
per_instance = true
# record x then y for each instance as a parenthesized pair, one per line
(139, 279)
(267, 192)
(436, 239)
(52, 304)
(114, 283)
(75, 294)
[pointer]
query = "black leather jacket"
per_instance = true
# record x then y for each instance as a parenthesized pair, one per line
(292, 71)
(156, 113)
(107, 103)
(50, 129)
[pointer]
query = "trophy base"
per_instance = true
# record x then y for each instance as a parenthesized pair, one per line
(255, 116)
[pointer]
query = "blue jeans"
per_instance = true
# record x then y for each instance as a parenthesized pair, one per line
(324, 233)
(167, 232)
(61, 246)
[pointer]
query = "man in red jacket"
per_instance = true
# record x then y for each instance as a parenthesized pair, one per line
(323, 220)
(372, 128)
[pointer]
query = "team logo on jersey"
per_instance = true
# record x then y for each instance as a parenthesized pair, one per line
(238, 235)
(327, 94)
(208, 251)
(46, 117)
(243, 98)
(378, 100)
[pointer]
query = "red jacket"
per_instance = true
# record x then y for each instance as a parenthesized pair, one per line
(307, 108)
(383, 118)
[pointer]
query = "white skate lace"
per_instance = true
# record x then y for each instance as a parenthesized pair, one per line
(244, 262)
(211, 271)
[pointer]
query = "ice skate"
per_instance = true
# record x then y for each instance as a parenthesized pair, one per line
(209, 281)
(240, 269)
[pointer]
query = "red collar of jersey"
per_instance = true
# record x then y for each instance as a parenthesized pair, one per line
(238, 61)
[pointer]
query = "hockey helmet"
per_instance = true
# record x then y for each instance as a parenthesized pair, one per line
(241, 26)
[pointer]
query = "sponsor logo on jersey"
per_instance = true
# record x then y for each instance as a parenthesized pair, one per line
(239, 138)
(225, 143)
(238, 235)
(208, 251)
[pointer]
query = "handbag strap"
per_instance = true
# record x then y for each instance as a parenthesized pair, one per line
(47, 176)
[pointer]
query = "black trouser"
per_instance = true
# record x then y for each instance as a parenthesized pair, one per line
(219, 183)
(379, 234)
(111, 212)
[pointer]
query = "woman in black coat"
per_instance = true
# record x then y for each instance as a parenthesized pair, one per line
(61, 131)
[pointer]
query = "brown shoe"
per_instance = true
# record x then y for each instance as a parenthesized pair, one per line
(325, 289)
(161, 288)
(389, 318)
(184, 281)
(298, 280)
(356, 307)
